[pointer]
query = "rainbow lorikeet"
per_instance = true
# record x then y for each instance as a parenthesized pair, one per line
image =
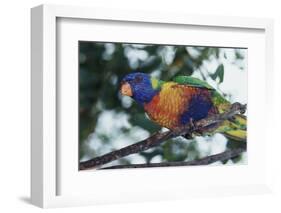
(186, 99)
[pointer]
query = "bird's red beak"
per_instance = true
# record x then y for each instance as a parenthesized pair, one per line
(126, 89)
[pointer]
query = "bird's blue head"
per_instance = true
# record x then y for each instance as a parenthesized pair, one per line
(139, 86)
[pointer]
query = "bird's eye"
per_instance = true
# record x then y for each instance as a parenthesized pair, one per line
(138, 79)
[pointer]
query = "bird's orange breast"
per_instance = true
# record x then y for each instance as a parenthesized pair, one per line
(169, 104)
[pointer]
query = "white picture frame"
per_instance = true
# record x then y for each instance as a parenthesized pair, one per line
(44, 150)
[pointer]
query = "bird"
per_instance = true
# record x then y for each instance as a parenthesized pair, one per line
(182, 101)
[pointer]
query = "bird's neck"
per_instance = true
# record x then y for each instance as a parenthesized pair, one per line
(145, 96)
(145, 93)
(156, 84)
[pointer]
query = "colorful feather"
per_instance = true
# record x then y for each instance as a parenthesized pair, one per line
(175, 103)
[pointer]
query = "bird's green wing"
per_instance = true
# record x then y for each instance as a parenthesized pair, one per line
(217, 98)
(191, 81)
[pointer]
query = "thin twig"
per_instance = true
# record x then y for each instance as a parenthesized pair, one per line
(159, 137)
(203, 161)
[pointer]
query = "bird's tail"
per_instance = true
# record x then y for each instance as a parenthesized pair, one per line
(235, 129)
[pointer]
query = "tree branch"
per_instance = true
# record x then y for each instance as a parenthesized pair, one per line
(203, 161)
(160, 137)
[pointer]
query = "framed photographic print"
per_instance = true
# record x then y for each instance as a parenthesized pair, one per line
(137, 106)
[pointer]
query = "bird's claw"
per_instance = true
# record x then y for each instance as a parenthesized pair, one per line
(192, 125)
(192, 128)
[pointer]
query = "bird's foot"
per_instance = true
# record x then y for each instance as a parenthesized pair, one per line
(194, 128)
(189, 130)
(192, 125)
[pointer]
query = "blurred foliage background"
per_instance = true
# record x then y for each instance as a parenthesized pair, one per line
(108, 121)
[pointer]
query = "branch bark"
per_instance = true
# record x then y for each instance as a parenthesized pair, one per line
(202, 161)
(160, 137)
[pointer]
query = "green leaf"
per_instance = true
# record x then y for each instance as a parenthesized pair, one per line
(219, 73)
